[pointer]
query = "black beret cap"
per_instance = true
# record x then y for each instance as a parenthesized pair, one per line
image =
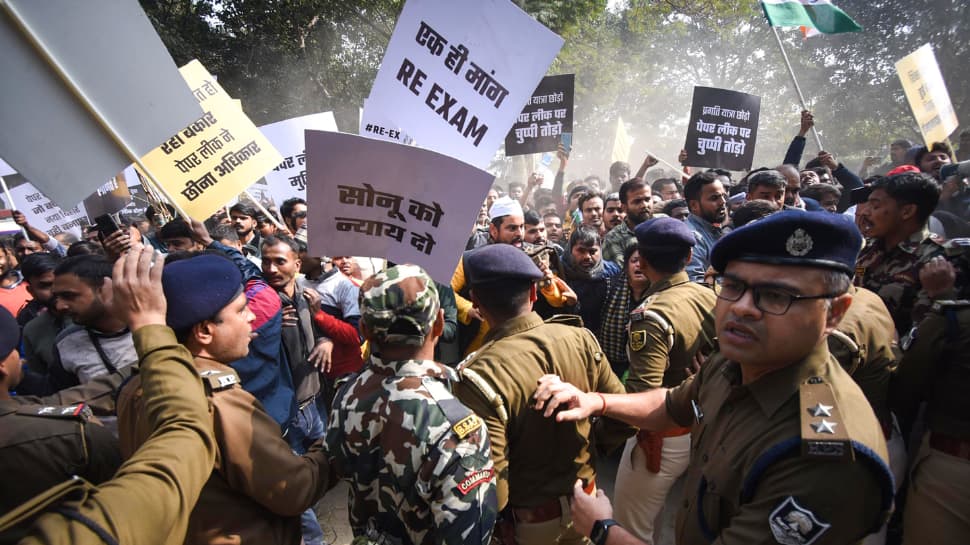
(496, 262)
(793, 237)
(198, 288)
(660, 234)
(9, 333)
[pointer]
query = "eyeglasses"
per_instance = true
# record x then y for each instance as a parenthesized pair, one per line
(299, 215)
(768, 299)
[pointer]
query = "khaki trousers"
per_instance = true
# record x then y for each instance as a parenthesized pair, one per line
(639, 494)
(552, 532)
(938, 503)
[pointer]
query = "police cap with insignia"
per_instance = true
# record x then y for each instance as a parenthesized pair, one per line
(664, 235)
(9, 333)
(499, 262)
(793, 237)
(197, 288)
(399, 305)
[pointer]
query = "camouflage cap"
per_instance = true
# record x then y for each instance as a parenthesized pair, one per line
(403, 296)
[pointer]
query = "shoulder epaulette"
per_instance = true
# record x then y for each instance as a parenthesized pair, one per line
(70, 412)
(855, 353)
(822, 428)
(566, 319)
(487, 391)
(216, 380)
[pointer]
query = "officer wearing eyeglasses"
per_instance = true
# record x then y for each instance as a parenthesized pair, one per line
(785, 447)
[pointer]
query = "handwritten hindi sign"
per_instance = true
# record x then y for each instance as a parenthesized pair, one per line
(456, 75)
(927, 95)
(110, 51)
(214, 158)
(723, 129)
(288, 179)
(546, 116)
(42, 212)
(383, 199)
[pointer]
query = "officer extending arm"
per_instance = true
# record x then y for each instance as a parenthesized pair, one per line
(162, 481)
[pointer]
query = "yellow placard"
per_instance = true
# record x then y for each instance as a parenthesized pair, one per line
(215, 158)
(621, 142)
(927, 95)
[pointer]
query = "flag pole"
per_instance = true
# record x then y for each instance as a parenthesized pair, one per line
(798, 90)
(665, 163)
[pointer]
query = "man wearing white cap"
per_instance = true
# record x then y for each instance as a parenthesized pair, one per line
(506, 225)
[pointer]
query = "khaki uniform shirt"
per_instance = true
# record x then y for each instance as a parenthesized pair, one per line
(865, 346)
(760, 472)
(257, 488)
(43, 445)
(674, 321)
(536, 458)
(150, 497)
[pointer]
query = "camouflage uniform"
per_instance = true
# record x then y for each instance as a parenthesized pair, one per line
(894, 275)
(417, 460)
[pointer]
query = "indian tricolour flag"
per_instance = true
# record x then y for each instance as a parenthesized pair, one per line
(820, 15)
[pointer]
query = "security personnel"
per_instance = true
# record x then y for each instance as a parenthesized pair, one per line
(785, 447)
(536, 460)
(258, 488)
(161, 482)
(399, 405)
(936, 369)
(674, 322)
(46, 442)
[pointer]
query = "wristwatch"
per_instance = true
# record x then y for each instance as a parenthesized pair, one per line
(601, 530)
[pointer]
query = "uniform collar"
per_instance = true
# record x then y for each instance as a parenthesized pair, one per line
(514, 326)
(911, 245)
(771, 391)
(675, 279)
(411, 368)
(203, 363)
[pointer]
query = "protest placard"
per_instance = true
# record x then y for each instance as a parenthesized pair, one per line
(723, 129)
(456, 75)
(927, 95)
(7, 225)
(114, 82)
(288, 179)
(111, 197)
(5, 169)
(214, 158)
(42, 212)
(383, 199)
(546, 117)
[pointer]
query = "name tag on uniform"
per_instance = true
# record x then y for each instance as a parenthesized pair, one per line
(467, 425)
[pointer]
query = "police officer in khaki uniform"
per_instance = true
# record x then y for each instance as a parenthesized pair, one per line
(258, 488)
(785, 447)
(150, 497)
(536, 460)
(44, 441)
(936, 369)
(674, 322)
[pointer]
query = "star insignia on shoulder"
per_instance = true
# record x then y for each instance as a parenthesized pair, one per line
(825, 427)
(821, 410)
